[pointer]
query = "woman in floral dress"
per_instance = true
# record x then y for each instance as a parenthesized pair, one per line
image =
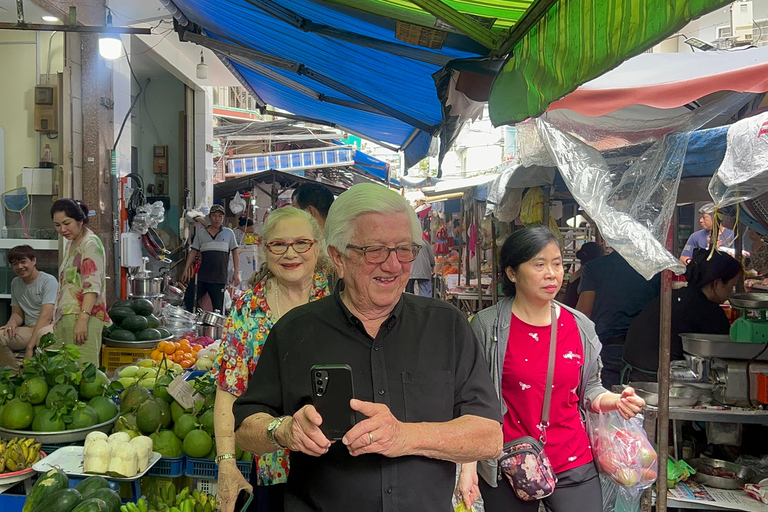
(80, 312)
(292, 246)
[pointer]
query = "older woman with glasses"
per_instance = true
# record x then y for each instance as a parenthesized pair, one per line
(293, 248)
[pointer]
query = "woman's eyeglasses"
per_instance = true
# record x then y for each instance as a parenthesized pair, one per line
(301, 246)
(376, 254)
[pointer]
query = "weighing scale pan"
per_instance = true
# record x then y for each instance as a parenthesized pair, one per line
(752, 300)
(720, 346)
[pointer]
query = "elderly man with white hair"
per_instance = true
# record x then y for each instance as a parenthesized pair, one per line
(424, 398)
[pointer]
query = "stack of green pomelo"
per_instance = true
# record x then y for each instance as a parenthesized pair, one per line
(133, 320)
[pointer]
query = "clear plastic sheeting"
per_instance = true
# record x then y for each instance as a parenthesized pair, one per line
(506, 192)
(743, 174)
(631, 193)
(631, 206)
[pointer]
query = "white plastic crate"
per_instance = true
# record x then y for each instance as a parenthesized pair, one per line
(208, 486)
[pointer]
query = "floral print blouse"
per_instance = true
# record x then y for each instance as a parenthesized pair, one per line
(244, 335)
(82, 271)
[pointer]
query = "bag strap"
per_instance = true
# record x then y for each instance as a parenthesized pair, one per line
(550, 377)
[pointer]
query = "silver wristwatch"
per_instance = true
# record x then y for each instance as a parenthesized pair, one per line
(272, 428)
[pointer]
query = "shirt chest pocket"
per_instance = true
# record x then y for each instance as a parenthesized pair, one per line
(428, 396)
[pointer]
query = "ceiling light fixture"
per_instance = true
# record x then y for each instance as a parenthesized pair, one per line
(110, 46)
(51, 19)
(202, 69)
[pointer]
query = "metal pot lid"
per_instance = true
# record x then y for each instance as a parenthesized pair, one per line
(751, 300)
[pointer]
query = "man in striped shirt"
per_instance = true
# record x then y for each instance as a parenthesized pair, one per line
(214, 244)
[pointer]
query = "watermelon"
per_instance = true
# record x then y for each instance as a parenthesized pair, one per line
(52, 481)
(90, 484)
(92, 505)
(110, 497)
(134, 323)
(152, 321)
(149, 335)
(60, 501)
(143, 307)
(122, 335)
(118, 314)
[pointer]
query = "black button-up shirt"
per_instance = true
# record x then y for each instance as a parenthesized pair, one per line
(424, 364)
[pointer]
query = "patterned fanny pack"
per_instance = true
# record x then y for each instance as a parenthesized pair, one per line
(523, 461)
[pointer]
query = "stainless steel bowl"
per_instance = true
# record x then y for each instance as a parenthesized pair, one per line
(743, 474)
(751, 300)
(679, 396)
(66, 436)
(211, 318)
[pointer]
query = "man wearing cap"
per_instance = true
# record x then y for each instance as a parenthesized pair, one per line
(214, 244)
(701, 238)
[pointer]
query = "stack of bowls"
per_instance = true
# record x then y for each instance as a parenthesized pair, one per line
(146, 286)
(179, 321)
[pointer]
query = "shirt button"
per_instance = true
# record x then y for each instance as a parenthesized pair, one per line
(375, 347)
(381, 391)
(389, 490)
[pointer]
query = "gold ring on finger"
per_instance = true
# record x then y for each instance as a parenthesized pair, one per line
(370, 437)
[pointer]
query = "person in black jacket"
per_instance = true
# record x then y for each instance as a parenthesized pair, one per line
(695, 308)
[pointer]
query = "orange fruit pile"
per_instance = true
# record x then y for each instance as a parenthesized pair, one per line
(182, 352)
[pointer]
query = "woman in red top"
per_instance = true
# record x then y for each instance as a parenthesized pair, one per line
(515, 337)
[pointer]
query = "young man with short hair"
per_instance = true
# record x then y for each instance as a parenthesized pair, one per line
(33, 295)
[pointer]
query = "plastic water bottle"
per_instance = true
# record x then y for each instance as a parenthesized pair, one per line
(5, 232)
(46, 154)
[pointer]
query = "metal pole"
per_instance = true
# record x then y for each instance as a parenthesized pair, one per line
(665, 343)
(494, 265)
(478, 258)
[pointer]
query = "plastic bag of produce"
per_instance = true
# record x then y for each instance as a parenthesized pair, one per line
(623, 454)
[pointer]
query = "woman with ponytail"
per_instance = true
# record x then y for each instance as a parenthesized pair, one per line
(80, 312)
(711, 276)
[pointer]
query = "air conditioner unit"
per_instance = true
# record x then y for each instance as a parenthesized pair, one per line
(742, 21)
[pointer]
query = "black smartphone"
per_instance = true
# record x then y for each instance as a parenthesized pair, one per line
(332, 389)
(243, 500)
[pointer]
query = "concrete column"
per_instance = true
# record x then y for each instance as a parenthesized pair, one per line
(98, 138)
(203, 146)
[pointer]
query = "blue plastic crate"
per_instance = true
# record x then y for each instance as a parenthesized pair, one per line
(169, 467)
(201, 468)
(245, 468)
(12, 502)
(207, 469)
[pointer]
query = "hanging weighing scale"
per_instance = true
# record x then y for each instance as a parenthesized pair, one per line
(752, 325)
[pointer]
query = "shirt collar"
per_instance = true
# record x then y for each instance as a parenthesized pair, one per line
(356, 322)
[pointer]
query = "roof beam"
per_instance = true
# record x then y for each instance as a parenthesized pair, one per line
(526, 22)
(301, 23)
(236, 50)
(296, 86)
(460, 21)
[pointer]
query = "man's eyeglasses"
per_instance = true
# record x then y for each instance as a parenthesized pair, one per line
(376, 254)
(301, 246)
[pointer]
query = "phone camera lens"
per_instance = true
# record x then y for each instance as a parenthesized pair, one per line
(318, 374)
(319, 383)
(319, 391)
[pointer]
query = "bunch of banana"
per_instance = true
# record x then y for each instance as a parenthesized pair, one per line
(18, 453)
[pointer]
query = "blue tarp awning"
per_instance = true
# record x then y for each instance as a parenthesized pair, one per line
(331, 78)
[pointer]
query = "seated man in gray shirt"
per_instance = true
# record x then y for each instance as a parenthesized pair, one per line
(33, 294)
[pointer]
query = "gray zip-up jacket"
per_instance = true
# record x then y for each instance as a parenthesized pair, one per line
(491, 326)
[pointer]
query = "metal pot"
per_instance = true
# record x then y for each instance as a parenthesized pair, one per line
(174, 295)
(145, 286)
(211, 318)
(212, 331)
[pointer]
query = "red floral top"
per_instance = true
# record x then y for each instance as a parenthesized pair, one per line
(244, 335)
(81, 272)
